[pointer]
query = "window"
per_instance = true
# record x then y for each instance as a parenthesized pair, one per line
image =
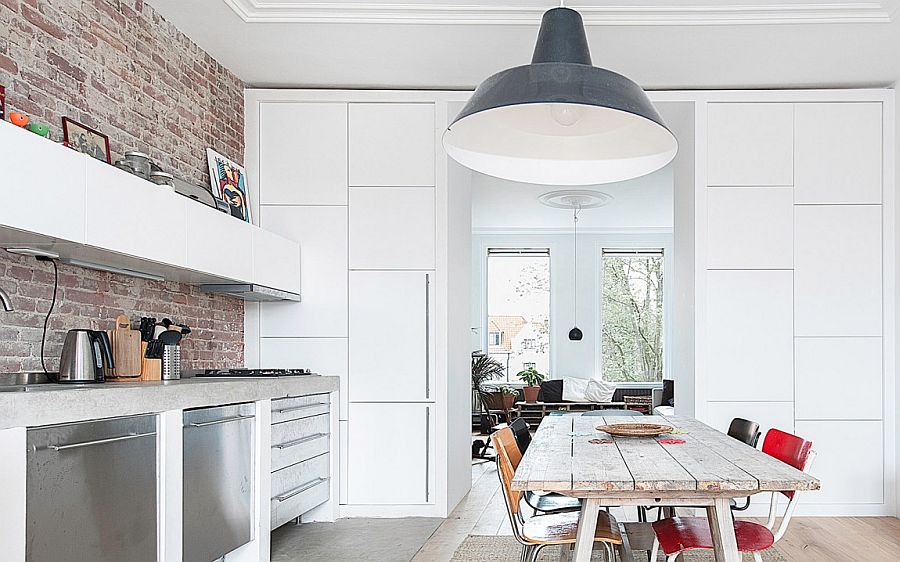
(518, 309)
(632, 314)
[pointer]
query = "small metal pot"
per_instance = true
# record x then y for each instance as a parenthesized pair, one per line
(139, 162)
(163, 178)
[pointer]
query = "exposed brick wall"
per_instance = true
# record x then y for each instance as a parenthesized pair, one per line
(119, 67)
(92, 299)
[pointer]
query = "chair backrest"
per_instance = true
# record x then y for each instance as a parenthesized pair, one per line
(612, 413)
(508, 457)
(522, 433)
(789, 449)
(745, 431)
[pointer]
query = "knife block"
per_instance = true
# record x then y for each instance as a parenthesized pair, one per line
(151, 369)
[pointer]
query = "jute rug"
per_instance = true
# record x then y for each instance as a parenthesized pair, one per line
(478, 548)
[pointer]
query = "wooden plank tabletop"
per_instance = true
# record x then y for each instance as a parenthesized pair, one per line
(562, 457)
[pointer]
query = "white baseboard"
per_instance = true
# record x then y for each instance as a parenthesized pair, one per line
(389, 511)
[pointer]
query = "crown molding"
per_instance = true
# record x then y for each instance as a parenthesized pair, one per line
(262, 11)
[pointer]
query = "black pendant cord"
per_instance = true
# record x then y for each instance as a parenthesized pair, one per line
(50, 311)
(575, 247)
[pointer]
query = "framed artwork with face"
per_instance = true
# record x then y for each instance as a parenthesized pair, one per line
(228, 180)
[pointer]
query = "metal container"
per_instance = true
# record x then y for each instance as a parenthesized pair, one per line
(85, 354)
(139, 162)
(171, 363)
(163, 178)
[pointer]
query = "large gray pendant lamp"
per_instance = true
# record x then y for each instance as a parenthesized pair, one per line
(559, 120)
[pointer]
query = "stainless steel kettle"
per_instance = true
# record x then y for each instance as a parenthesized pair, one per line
(85, 353)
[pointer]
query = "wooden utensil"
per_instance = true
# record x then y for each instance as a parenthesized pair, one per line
(126, 346)
(635, 429)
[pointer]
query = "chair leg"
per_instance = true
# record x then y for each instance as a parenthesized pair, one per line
(654, 552)
(757, 557)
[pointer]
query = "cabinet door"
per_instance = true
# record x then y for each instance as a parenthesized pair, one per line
(838, 153)
(388, 454)
(750, 338)
(325, 356)
(837, 270)
(322, 312)
(124, 213)
(276, 261)
(392, 228)
(389, 336)
(850, 461)
(750, 228)
(779, 415)
(302, 153)
(750, 144)
(838, 378)
(27, 179)
(392, 144)
(218, 244)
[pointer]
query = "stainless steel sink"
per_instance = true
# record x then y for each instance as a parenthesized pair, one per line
(21, 379)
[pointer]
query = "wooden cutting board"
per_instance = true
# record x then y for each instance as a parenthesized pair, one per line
(126, 348)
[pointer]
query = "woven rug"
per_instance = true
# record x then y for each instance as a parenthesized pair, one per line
(478, 548)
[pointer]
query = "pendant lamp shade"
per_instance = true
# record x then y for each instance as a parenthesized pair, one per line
(559, 120)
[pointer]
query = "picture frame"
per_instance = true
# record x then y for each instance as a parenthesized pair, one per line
(86, 140)
(228, 181)
(2, 103)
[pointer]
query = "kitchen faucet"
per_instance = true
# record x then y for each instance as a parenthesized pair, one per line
(4, 298)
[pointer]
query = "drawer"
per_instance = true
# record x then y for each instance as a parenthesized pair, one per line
(291, 478)
(298, 440)
(313, 493)
(298, 407)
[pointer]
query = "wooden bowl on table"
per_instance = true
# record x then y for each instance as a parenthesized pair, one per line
(636, 429)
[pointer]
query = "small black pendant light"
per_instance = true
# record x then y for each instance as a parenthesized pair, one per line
(560, 120)
(575, 333)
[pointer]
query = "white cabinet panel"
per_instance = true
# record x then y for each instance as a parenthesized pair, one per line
(750, 336)
(392, 228)
(838, 378)
(388, 456)
(326, 356)
(302, 153)
(837, 265)
(750, 144)
(392, 144)
(389, 336)
(779, 415)
(838, 153)
(29, 179)
(127, 214)
(850, 461)
(276, 261)
(322, 233)
(750, 228)
(218, 244)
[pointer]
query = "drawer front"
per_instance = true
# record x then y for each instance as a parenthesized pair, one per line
(287, 480)
(298, 407)
(316, 494)
(298, 440)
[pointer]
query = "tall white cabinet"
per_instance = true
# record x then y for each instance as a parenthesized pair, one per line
(360, 180)
(794, 248)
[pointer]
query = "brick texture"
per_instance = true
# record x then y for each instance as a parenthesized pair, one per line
(117, 66)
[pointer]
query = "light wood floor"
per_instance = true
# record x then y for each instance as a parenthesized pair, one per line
(820, 539)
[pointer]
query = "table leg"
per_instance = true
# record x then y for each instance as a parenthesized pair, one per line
(721, 524)
(587, 527)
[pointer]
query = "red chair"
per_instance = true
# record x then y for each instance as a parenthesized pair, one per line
(678, 534)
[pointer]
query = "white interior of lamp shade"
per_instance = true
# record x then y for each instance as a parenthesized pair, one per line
(526, 143)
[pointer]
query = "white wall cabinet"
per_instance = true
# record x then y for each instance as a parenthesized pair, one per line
(392, 228)
(838, 272)
(221, 247)
(838, 378)
(389, 454)
(838, 153)
(750, 144)
(750, 228)
(390, 333)
(750, 336)
(392, 144)
(302, 153)
(322, 311)
(276, 261)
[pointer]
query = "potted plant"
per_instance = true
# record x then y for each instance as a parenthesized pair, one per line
(532, 379)
(484, 368)
(503, 397)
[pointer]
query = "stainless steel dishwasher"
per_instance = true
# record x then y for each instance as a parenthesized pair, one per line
(218, 481)
(91, 491)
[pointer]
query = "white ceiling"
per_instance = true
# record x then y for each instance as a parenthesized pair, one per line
(454, 44)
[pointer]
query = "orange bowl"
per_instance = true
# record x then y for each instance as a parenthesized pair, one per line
(19, 119)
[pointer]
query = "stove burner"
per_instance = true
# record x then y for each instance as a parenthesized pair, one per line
(254, 373)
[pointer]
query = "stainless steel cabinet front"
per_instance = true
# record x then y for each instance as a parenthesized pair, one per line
(91, 491)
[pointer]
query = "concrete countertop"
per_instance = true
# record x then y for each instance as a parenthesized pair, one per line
(55, 403)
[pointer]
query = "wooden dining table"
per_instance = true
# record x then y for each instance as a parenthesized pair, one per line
(702, 467)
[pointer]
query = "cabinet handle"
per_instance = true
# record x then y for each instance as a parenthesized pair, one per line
(300, 441)
(300, 489)
(303, 407)
(223, 420)
(99, 441)
(427, 335)
(427, 451)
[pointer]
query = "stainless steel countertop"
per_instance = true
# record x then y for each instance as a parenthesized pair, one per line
(47, 404)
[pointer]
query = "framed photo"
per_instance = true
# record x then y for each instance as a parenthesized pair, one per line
(86, 140)
(2, 103)
(228, 180)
